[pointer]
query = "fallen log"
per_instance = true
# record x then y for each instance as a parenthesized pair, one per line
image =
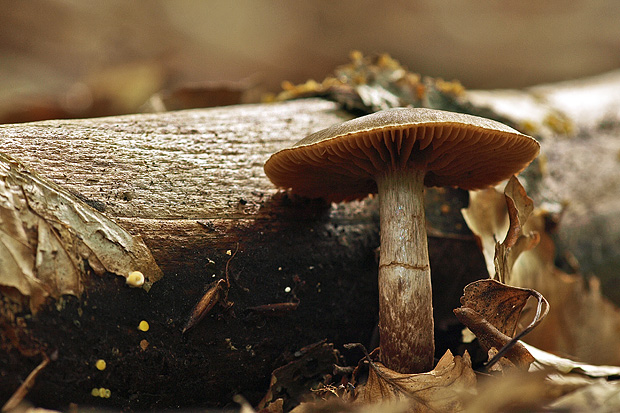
(191, 184)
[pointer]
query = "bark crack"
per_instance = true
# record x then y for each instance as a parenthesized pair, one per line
(405, 265)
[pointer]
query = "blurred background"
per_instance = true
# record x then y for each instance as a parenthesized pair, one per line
(80, 58)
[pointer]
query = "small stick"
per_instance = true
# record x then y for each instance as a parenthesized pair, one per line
(25, 387)
(228, 263)
(274, 309)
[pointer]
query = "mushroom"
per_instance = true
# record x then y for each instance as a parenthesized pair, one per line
(396, 153)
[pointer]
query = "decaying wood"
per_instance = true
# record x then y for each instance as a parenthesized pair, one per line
(177, 179)
(191, 185)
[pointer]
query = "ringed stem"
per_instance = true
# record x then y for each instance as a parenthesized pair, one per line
(405, 293)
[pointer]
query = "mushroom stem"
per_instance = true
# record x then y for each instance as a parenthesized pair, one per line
(405, 293)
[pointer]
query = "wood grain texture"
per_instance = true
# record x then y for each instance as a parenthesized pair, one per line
(177, 165)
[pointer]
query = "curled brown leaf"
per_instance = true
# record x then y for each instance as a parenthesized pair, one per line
(499, 304)
(520, 207)
(492, 311)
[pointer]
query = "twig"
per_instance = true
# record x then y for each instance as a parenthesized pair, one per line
(227, 264)
(25, 387)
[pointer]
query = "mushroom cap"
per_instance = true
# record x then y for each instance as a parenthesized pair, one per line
(458, 150)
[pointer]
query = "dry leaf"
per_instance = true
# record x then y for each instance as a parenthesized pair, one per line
(442, 389)
(293, 381)
(602, 396)
(488, 218)
(499, 304)
(277, 406)
(491, 339)
(492, 311)
(583, 323)
(496, 303)
(46, 235)
(545, 361)
(519, 391)
(504, 364)
(520, 207)
(538, 390)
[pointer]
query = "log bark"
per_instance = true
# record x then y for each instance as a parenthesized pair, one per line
(191, 185)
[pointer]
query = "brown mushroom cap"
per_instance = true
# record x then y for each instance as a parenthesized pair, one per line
(341, 162)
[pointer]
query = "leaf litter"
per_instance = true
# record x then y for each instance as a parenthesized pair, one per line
(582, 323)
(518, 375)
(372, 83)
